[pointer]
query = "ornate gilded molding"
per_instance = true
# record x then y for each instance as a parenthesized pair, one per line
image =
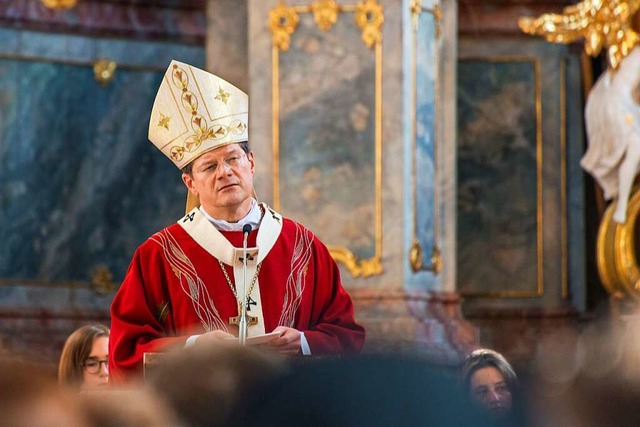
(416, 9)
(416, 252)
(616, 250)
(602, 24)
(283, 22)
(369, 18)
(325, 13)
(104, 71)
(358, 268)
(59, 4)
(564, 237)
(102, 280)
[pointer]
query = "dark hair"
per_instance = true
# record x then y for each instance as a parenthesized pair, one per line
(75, 352)
(364, 391)
(481, 358)
(188, 169)
(204, 383)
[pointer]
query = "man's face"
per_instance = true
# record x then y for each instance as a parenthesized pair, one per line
(223, 179)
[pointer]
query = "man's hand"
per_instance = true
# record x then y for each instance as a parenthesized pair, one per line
(213, 337)
(287, 343)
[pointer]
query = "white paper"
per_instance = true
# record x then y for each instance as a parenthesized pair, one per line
(260, 339)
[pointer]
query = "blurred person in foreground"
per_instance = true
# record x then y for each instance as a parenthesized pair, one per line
(133, 407)
(31, 397)
(491, 385)
(185, 284)
(205, 385)
(84, 361)
(590, 377)
(369, 391)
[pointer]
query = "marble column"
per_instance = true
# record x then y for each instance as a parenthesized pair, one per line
(226, 41)
(352, 146)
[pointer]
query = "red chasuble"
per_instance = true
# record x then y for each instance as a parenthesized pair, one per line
(175, 288)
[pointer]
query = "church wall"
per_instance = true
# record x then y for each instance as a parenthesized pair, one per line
(522, 254)
(80, 185)
(80, 230)
(315, 126)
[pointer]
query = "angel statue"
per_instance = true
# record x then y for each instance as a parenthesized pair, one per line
(612, 112)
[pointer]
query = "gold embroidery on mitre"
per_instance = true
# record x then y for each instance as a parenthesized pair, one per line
(222, 95)
(237, 127)
(195, 112)
(164, 121)
(201, 129)
(177, 153)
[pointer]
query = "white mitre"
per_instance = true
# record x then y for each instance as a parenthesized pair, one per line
(195, 112)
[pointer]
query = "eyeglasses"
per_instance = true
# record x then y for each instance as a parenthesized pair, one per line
(234, 161)
(92, 366)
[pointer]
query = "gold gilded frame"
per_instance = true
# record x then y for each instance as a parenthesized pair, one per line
(369, 17)
(416, 255)
(59, 4)
(564, 241)
(539, 291)
(616, 252)
(101, 277)
(603, 25)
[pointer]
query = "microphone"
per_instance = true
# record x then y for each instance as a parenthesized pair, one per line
(242, 324)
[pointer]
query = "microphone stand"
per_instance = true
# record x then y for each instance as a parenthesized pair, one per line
(243, 323)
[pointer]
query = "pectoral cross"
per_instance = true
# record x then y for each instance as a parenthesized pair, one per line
(252, 320)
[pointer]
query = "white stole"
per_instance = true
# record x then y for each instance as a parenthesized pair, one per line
(207, 236)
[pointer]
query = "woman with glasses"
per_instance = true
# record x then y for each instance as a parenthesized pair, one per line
(84, 362)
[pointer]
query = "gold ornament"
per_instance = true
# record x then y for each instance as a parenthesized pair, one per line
(369, 18)
(59, 4)
(283, 21)
(325, 13)
(104, 71)
(102, 280)
(603, 24)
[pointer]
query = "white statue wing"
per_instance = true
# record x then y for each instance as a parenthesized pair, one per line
(609, 121)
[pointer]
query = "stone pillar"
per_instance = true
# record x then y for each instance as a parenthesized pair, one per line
(226, 41)
(334, 112)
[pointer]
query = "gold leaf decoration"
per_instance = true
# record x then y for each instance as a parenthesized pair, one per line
(602, 24)
(102, 280)
(283, 21)
(59, 4)
(369, 18)
(325, 13)
(104, 71)
(164, 121)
